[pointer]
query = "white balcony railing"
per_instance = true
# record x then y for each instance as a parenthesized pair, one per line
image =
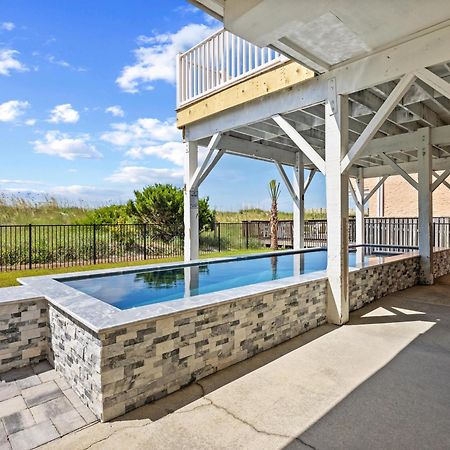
(218, 61)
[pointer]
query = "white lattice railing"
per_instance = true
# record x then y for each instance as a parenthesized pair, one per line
(218, 61)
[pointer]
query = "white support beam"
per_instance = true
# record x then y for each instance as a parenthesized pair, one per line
(400, 171)
(444, 182)
(378, 119)
(435, 82)
(425, 199)
(312, 172)
(287, 182)
(211, 166)
(375, 189)
(257, 151)
(300, 142)
(353, 193)
(408, 167)
(440, 179)
(191, 227)
(360, 237)
(213, 143)
(336, 144)
(298, 238)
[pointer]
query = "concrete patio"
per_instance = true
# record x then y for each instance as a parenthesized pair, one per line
(380, 381)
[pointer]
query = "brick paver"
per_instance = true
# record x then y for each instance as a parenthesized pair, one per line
(37, 406)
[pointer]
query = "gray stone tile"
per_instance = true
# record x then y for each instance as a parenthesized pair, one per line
(30, 381)
(62, 383)
(17, 374)
(8, 390)
(41, 367)
(12, 406)
(73, 397)
(86, 414)
(4, 443)
(42, 393)
(51, 409)
(34, 436)
(67, 422)
(48, 375)
(18, 421)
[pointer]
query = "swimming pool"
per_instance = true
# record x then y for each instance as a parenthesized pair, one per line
(130, 290)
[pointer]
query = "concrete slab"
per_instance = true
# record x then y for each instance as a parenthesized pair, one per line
(379, 382)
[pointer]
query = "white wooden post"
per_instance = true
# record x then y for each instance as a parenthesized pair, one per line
(425, 198)
(336, 146)
(191, 228)
(298, 238)
(360, 227)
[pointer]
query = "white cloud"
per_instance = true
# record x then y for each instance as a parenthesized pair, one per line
(11, 110)
(156, 57)
(64, 113)
(30, 122)
(145, 175)
(62, 63)
(7, 26)
(9, 62)
(143, 131)
(171, 151)
(66, 147)
(148, 137)
(115, 110)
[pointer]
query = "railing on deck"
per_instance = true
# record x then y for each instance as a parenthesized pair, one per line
(219, 61)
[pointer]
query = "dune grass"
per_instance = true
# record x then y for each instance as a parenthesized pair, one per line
(8, 279)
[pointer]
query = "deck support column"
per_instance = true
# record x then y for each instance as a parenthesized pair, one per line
(336, 147)
(191, 225)
(360, 237)
(298, 238)
(425, 199)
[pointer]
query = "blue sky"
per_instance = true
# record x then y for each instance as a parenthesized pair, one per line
(87, 104)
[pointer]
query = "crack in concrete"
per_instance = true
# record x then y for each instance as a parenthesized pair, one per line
(115, 432)
(299, 439)
(239, 419)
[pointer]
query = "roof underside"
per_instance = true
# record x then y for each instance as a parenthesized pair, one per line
(323, 34)
(421, 107)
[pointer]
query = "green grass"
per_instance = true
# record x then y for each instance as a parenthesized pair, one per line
(8, 279)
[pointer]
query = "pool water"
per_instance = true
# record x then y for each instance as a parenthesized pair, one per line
(130, 290)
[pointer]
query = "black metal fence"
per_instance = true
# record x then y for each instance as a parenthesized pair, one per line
(48, 246)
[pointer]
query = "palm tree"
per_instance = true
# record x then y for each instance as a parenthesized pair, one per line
(274, 191)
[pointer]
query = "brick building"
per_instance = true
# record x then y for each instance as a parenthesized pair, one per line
(397, 198)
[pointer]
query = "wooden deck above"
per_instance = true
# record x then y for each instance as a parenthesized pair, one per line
(272, 80)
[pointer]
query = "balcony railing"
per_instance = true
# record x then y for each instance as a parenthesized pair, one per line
(219, 61)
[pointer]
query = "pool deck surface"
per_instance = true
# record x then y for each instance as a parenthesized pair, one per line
(379, 382)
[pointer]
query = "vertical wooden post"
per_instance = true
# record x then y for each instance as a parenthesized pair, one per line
(360, 237)
(191, 227)
(299, 206)
(336, 146)
(425, 198)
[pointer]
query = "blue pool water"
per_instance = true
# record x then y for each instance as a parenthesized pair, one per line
(129, 290)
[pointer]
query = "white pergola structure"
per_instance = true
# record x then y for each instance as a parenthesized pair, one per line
(379, 105)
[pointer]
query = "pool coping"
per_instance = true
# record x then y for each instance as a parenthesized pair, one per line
(100, 316)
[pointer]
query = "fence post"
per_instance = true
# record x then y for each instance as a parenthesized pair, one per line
(94, 244)
(218, 233)
(30, 246)
(145, 241)
(246, 234)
